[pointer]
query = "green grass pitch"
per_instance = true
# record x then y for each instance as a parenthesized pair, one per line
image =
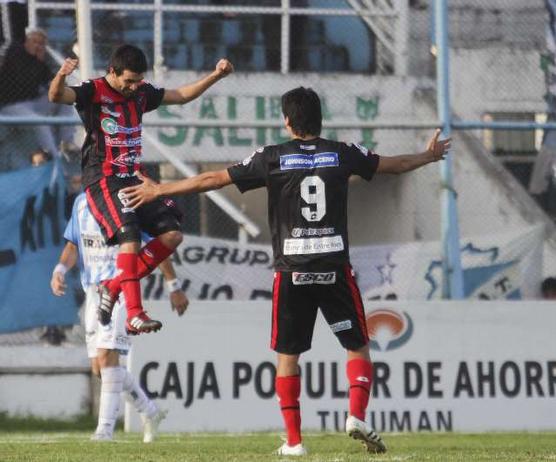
(32, 440)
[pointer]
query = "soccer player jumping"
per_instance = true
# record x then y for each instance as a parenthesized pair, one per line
(97, 261)
(111, 108)
(307, 183)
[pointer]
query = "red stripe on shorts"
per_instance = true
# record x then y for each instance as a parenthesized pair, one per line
(275, 300)
(356, 295)
(98, 216)
(110, 203)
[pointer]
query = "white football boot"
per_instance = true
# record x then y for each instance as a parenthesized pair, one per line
(358, 430)
(150, 425)
(297, 450)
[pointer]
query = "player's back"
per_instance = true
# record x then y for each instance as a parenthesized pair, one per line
(307, 184)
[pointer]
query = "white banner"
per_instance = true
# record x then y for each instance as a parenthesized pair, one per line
(440, 366)
(501, 266)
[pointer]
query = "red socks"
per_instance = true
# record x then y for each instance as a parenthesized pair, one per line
(149, 257)
(360, 377)
(127, 264)
(288, 390)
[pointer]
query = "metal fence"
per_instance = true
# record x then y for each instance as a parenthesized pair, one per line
(375, 65)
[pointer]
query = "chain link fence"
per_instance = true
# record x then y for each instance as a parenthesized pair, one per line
(375, 73)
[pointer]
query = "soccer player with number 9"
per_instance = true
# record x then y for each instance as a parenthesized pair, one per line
(307, 183)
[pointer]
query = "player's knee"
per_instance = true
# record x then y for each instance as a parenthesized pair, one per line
(173, 238)
(128, 233)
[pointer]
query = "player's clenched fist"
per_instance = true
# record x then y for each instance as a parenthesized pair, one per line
(68, 66)
(224, 67)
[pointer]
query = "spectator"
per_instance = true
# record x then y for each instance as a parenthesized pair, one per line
(39, 157)
(24, 80)
(548, 289)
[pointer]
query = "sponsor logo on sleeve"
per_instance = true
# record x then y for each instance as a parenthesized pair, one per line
(363, 149)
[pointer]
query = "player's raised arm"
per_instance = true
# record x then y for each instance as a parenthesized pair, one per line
(58, 92)
(436, 150)
(149, 190)
(191, 91)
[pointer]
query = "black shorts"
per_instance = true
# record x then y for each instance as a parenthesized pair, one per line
(296, 298)
(105, 202)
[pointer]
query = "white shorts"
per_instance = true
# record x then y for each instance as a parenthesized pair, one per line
(110, 337)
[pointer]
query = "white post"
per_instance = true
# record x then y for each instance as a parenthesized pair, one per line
(402, 33)
(242, 235)
(285, 39)
(6, 26)
(158, 64)
(32, 13)
(84, 38)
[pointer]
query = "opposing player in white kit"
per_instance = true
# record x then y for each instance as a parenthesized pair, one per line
(97, 262)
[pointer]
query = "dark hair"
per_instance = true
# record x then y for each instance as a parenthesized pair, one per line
(548, 285)
(128, 57)
(302, 108)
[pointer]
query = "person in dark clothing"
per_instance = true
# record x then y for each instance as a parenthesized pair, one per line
(307, 181)
(24, 80)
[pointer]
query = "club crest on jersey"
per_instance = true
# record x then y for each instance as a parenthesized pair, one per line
(109, 126)
(308, 161)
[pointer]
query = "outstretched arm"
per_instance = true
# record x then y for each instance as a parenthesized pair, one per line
(178, 299)
(189, 92)
(436, 150)
(149, 190)
(68, 258)
(58, 92)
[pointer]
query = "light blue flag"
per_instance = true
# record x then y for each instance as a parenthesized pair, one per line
(31, 238)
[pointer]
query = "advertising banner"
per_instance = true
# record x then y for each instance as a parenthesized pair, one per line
(438, 366)
(497, 266)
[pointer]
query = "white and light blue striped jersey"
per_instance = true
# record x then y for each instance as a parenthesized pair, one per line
(97, 261)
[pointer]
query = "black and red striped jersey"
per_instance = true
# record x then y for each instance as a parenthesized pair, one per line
(307, 184)
(113, 125)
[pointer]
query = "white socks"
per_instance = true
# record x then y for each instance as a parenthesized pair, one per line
(137, 396)
(110, 389)
(114, 380)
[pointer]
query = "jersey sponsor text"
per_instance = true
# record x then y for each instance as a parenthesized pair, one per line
(313, 245)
